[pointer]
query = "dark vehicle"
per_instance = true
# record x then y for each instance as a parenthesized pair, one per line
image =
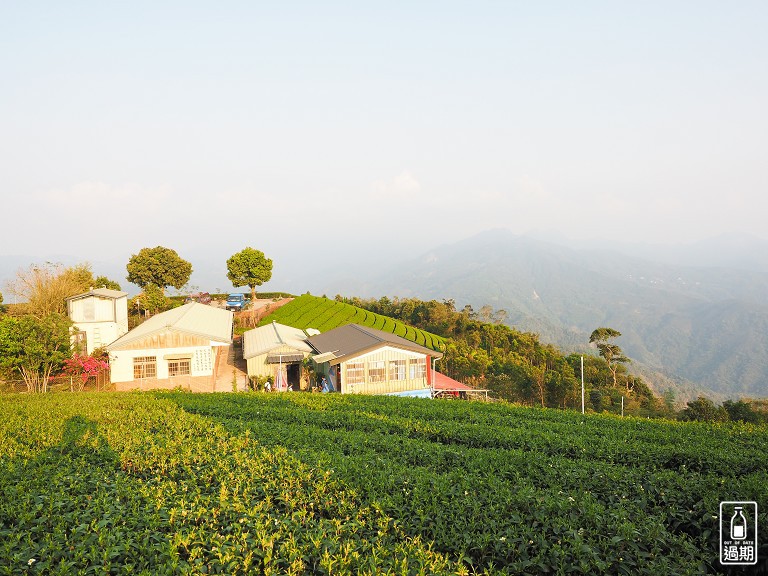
(201, 297)
(236, 302)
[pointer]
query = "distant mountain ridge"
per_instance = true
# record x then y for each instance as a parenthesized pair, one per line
(707, 325)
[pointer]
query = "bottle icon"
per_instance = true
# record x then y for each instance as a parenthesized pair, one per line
(738, 525)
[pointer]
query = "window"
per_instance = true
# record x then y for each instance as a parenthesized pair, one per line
(355, 373)
(179, 367)
(144, 367)
(397, 369)
(89, 310)
(418, 368)
(80, 341)
(376, 371)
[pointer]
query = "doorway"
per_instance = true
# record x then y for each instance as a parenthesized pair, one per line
(294, 375)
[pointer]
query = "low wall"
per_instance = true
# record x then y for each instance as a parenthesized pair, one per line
(191, 383)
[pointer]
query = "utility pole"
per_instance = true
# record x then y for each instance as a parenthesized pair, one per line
(582, 384)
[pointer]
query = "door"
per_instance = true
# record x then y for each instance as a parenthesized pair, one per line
(294, 375)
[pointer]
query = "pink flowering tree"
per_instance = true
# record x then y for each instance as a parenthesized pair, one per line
(82, 367)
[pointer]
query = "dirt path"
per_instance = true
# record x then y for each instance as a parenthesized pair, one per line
(231, 366)
(230, 363)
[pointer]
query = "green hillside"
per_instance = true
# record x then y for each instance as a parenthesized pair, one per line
(177, 483)
(323, 314)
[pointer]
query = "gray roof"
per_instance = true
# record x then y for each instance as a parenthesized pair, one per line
(101, 293)
(273, 337)
(352, 340)
(285, 358)
(193, 318)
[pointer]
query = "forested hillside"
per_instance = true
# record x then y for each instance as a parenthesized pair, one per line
(702, 326)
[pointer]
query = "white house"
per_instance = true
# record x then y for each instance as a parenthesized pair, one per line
(362, 360)
(275, 351)
(177, 348)
(100, 316)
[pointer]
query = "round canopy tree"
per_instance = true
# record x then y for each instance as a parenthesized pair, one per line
(104, 282)
(159, 266)
(249, 267)
(34, 348)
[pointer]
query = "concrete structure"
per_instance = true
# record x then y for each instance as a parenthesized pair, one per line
(276, 351)
(100, 317)
(362, 360)
(177, 348)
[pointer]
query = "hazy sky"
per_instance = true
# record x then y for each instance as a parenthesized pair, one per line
(313, 130)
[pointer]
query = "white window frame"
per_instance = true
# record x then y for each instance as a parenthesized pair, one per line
(417, 368)
(354, 373)
(144, 367)
(177, 367)
(397, 370)
(377, 371)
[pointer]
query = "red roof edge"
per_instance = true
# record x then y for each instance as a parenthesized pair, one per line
(443, 382)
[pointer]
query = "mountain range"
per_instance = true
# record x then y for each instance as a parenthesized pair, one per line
(694, 316)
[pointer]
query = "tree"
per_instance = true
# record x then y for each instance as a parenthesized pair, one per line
(151, 301)
(158, 266)
(669, 400)
(34, 348)
(308, 370)
(611, 353)
(539, 379)
(46, 287)
(704, 410)
(485, 314)
(741, 411)
(249, 267)
(104, 282)
(596, 399)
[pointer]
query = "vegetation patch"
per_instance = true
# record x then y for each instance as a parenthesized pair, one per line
(323, 314)
(132, 484)
(177, 483)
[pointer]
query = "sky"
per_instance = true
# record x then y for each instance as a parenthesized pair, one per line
(322, 132)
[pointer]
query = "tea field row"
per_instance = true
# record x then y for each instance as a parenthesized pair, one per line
(170, 483)
(309, 311)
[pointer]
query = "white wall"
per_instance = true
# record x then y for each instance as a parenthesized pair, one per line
(103, 320)
(384, 356)
(121, 361)
(121, 315)
(100, 334)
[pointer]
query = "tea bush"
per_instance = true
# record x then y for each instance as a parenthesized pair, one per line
(177, 483)
(132, 485)
(309, 311)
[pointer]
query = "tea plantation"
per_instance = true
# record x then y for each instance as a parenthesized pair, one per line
(318, 312)
(175, 483)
